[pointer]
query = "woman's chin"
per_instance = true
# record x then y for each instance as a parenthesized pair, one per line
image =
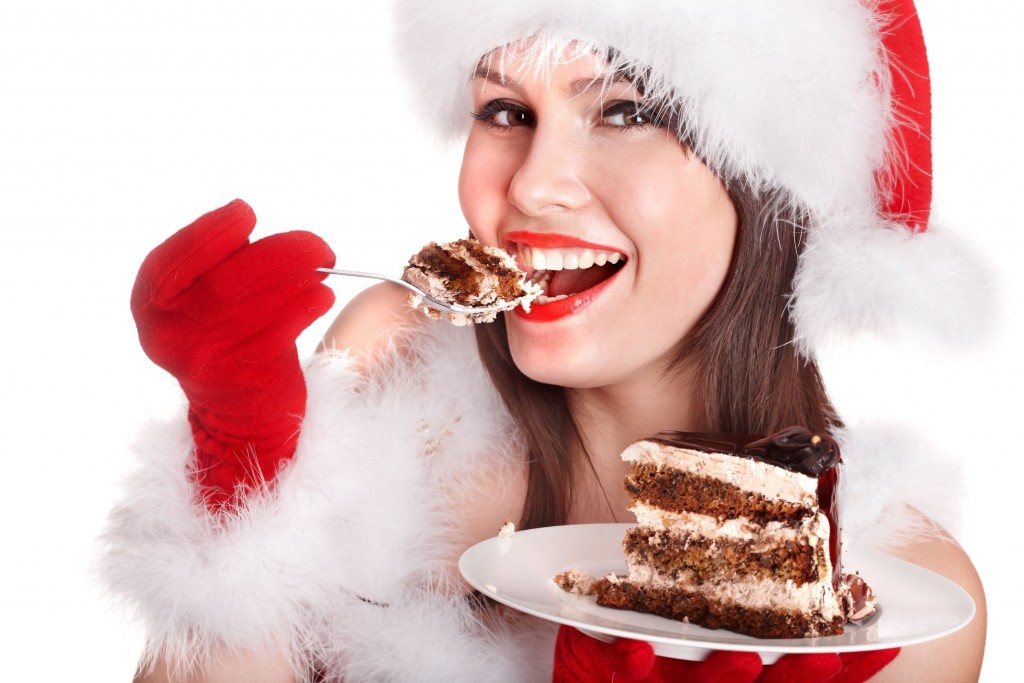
(569, 369)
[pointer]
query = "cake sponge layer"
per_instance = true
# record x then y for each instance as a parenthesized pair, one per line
(737, 532)
(719, 560)
(688, 606)
(677, 490)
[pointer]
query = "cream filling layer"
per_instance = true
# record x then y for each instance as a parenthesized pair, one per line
(813, 598)
(774, 483)
(814, 528)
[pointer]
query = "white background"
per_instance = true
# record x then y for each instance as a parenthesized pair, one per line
(122, 121)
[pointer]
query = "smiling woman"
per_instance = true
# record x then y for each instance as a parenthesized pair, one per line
(680, 180)
(576, 179)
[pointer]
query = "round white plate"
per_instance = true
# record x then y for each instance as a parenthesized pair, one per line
(914, 605)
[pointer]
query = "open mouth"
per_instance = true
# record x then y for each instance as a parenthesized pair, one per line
(563, 272)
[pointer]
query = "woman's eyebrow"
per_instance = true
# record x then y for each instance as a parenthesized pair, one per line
(497, 78)
(581, 86)
(576, 88)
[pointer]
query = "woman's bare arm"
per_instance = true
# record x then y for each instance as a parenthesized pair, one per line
(957, 657)
(369, 321)
(225, 666)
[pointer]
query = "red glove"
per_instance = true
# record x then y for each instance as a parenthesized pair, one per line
(843, 667)
(582, 659)
(222, 315)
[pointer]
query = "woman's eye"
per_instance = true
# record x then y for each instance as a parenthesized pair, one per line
(508, 117)
(502, 114)
(627, 114)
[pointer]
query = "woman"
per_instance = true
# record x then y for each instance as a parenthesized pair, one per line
(724, 151)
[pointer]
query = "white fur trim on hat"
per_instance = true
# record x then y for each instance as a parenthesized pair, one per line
(780, 92)
(861, 275)
(789, 95)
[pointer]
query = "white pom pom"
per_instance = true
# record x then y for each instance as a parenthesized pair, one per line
(861, 275)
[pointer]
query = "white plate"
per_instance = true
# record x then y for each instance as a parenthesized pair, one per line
(914, 605)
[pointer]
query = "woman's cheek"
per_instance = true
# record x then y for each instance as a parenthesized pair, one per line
(483, 191)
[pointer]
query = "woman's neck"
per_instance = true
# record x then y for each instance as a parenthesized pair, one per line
(610, 418)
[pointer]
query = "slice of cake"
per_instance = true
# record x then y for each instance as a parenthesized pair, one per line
(468, 274)
(739, 533)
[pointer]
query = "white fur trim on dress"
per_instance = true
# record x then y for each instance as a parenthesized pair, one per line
(896, 486)
(347, 562)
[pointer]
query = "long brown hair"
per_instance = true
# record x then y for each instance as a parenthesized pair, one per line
(750, 376)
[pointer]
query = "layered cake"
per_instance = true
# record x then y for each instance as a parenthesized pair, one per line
(736, 532)
(468, 275)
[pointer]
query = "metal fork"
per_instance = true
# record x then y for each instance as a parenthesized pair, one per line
(427, 299)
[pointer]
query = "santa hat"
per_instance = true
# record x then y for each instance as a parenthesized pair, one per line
(826, 100)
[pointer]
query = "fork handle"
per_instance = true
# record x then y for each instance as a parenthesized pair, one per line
(429, 301)
(372, 276)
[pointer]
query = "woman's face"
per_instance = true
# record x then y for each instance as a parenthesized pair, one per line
(633, 234)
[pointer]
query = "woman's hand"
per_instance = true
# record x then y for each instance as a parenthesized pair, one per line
(221, 315)
(582, 659)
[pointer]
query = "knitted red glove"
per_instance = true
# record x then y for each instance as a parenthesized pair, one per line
(582, 659)
(222, 315)
(844, 667)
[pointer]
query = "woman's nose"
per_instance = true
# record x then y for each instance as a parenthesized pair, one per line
(551, 175)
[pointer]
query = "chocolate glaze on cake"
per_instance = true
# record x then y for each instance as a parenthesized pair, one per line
(793, 448)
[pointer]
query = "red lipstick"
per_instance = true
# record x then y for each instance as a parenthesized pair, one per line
(549, 240)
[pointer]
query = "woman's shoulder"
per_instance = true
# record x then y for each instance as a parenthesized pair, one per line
(371, 322)
(956, 657)
(493, 499)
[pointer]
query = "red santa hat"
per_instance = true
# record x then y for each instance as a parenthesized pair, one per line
(828, 101)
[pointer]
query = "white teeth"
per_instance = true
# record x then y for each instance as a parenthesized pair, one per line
(539, 262)
(544, 299)
(545, 261)
(566, 258)
(540, 276)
